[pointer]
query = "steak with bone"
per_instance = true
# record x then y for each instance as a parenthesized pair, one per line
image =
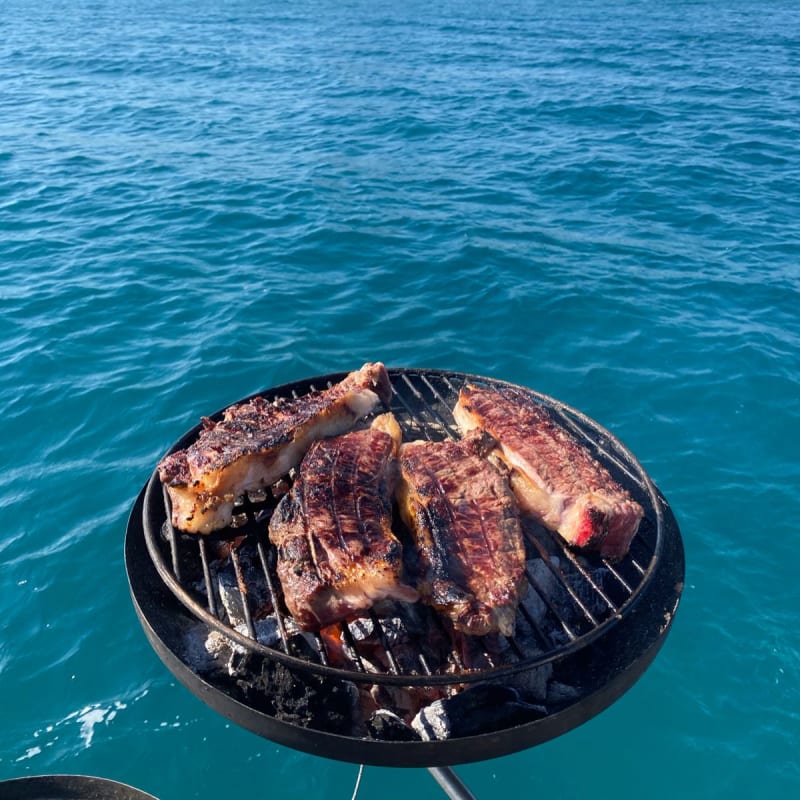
(257, 442)
(337, 555)
(465, 524)
(554, 477)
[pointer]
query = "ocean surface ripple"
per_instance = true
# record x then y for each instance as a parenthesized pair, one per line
(201, 200)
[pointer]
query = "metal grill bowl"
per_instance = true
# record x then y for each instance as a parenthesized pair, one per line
(586, 626)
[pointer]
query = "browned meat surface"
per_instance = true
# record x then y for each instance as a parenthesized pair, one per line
(337, 555)
(554, 477)
(257, 442)
(464, 520)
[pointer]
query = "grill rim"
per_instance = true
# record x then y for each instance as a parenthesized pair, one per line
(577, 421)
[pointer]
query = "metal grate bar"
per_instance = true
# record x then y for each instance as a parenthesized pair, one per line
(273, 595)
(385, 643)
(321, 649)
(243, 593)
(424, 664)
(618, 577)
(172, 534)
(211, 599)
(350, 642)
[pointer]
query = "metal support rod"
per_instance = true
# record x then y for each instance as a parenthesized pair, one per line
(451, 783)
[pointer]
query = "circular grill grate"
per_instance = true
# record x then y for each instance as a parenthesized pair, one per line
(228, 580)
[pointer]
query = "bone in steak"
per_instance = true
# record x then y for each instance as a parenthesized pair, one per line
(257, 442)
(554, 477)
(466, 527)
(337, 555)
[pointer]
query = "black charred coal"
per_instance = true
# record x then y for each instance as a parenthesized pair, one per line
(229, 585)
(300, 647)
(301, 698)
(477, 710)
(386, 726)
(406, 633)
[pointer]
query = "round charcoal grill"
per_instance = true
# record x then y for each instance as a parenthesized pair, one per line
(586, 629)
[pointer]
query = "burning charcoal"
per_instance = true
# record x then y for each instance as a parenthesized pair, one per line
(363, 630)
(220, 649)
(592, 597)
(303, 646)
(227, 656)
(399, 640)
(545, 584)
(382, 644)
(388, 727)
(480, 709)
(198, 653)
(301, 698)
(267, 631)
(400, 636)
(483, 652)
(338, 649)
(499, 649)
(560, 695)
(534, 683)
(415, 636)
(405, 701)
(229, 594)
(542, 577)
(233, 594)
(410, 618)
(553, 580)
(224, 654)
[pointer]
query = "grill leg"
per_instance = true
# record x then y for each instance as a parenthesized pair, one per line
(451, 783)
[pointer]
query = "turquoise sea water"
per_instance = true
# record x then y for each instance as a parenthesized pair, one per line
(201, 200)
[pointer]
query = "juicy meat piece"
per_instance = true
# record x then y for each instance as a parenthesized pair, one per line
(337, 555)
(465, 524)
(554, 477)
(257, 442)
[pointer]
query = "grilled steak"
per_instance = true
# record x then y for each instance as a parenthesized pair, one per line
(257, 442)
(554, 477)
(337, 555)
(464, 520)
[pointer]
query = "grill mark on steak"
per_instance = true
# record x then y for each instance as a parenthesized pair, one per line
(337, 554)
(258, 442)
(463, 518)
(556, 479)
